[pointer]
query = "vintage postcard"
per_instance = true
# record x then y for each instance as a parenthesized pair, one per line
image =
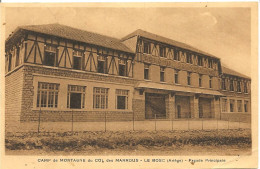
(129, 85)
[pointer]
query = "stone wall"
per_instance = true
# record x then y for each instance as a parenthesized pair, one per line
(139, 109)
(13, 97)
(80, 116)
(29, 114)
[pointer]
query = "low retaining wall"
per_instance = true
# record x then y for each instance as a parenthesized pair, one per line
(80, 116)
(242, 117)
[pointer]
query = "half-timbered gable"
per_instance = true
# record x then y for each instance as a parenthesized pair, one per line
(150, 47)
(43, 47)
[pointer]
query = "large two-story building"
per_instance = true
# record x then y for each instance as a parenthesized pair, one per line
(56, 69)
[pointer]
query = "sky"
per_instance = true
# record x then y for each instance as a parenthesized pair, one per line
(222, 32)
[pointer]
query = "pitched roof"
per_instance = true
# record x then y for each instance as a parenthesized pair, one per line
(162, 39)
(228, 71)
(78, 35)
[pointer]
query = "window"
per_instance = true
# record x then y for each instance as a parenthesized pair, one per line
(162, 74)
(210, 82)
(176, 55)
(162, 51)
(122, 67)
(246, 106)
(188, 58)
(223, 84)
(101, 64)
(176, 76)
(231, 85)
(232, 103)
(238, 86)
(199, 60)
(200, 80)
(146, 71)
(147, 47)
(10, 62)
(210, 63)
(245, 87)
(77, 59)
(224, 105)
(47, 95)
(49, 55)
(188, 77)
(17, 56)
(239, 105)
(76, 97)
(100, 98)
(121, 99)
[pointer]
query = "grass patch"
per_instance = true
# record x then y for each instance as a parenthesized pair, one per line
(80, 141)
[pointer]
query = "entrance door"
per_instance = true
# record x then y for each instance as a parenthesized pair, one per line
(205, 108)
(155, 104)
(179, 111)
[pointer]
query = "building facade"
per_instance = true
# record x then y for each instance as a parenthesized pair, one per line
(55, 69)
(236, 102)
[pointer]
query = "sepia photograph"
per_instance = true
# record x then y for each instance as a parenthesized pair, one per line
(160, 79)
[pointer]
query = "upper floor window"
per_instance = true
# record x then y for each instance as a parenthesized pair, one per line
(231, 85)
(147, 48)
(162, 51)
(122, 67)
(200, 80)
(17, 60)
(245, 87)
(188, 77)
(210, 63)
(162, 74)
(176, 76)
(10, 56)
(188, 58)
(47, 95)
(146, 71)
(122, 99)
(76, 97)
(199, 60)
(238, 86)
(101, 68)
(176, 55)
(77, 59)
(50, 55)
(210, 82)
(223, 83)
(100, 98)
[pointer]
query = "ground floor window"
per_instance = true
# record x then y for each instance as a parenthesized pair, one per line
(76, 97)
(232, 103)
(224, 105)
(246, 106)
(47, 95)
(239, 105)
(121, 99)
(100, 98)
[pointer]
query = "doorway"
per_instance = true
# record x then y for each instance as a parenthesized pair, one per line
(155, 106)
